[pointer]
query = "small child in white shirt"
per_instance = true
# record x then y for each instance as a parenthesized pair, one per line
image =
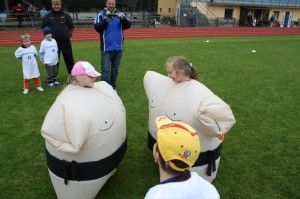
(27, 53)
(176, 151)
(49, 56)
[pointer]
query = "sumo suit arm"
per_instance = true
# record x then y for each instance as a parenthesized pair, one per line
(152, 80)
(71, 132)
(215, 116)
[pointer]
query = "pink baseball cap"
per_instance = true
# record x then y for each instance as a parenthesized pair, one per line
(84, 68)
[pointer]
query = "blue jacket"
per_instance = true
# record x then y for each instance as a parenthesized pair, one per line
(111, 33)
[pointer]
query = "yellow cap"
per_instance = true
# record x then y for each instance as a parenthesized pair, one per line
(177, 141)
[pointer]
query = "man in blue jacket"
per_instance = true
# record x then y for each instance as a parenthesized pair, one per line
(110, 23)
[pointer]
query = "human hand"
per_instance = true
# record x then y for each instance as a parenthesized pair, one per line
(107, 15)
(119, 15)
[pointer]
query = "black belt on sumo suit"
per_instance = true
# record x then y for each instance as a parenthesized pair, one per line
(207, 157)
(83, 171)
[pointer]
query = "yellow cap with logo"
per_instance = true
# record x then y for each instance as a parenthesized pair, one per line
(177, 141)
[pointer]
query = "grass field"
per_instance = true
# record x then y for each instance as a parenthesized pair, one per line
(260, 156)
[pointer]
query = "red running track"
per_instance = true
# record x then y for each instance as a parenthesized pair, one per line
(12, 38)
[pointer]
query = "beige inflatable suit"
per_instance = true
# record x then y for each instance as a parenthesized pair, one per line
(85, 134)
(192, 103)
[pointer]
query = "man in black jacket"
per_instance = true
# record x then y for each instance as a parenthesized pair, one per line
(62, 28)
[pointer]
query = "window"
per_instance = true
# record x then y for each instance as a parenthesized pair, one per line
(169, 10)
(228, 13)
(276, 15)
(160, 9)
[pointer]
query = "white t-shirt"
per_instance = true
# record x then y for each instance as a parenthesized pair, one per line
(29, 63)
(193, 188)
(49, 52)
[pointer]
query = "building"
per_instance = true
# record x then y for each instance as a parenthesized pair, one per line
(230, 12)
(183, 12)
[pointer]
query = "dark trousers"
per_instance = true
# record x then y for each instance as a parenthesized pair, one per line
(20, 19)
(51, 73)
(66, 48)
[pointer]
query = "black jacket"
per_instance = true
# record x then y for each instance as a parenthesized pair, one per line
(60, 23)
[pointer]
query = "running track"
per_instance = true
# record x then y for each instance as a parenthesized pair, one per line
(12, 38)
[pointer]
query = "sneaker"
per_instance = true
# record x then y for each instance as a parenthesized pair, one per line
(25, 91)
(40, 88)
(51, 85)
(56, 83)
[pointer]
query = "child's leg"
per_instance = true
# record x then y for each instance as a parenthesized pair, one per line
(49, 74)
(54, 70)
(37, 82)
(26, 83)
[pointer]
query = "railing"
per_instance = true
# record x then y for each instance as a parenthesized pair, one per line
(203, 16)
(204, 9)
(255, 2)
(225, 22)
(25, 16)
(211, 18)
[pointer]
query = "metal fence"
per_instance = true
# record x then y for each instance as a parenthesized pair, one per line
(255, 2)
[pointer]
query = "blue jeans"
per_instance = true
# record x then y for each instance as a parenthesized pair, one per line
(110, 63)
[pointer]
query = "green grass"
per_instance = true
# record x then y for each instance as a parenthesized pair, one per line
(260, 157)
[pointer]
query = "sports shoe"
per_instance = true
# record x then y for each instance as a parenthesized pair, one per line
(25, 91)
(51, 85)
(56, 83)
(40, 88)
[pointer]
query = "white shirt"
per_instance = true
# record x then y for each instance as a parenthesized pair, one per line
(29, 63)
(49, 52)
(193, 188)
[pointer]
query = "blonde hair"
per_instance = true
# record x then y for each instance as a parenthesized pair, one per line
(25, 36)
(181, 63)
(72, 80)
(55, 1)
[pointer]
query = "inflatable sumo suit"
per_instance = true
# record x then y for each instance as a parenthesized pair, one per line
(193, 103)
(85, 135)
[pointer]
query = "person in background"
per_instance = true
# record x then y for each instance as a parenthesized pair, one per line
(62, 27)
(43, 12)
(110, 24)
(27, 53)
(192, 18)
(249, 20)
(31, 11)
(19, 10)
(176, 150)
(271, 21)
(49, 56)
(254, 22)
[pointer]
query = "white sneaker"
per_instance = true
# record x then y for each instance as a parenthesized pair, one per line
(40, 88)
(56, 83)
(25, 91)
(51, 85)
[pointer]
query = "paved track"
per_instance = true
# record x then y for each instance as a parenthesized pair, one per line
(12, 38)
